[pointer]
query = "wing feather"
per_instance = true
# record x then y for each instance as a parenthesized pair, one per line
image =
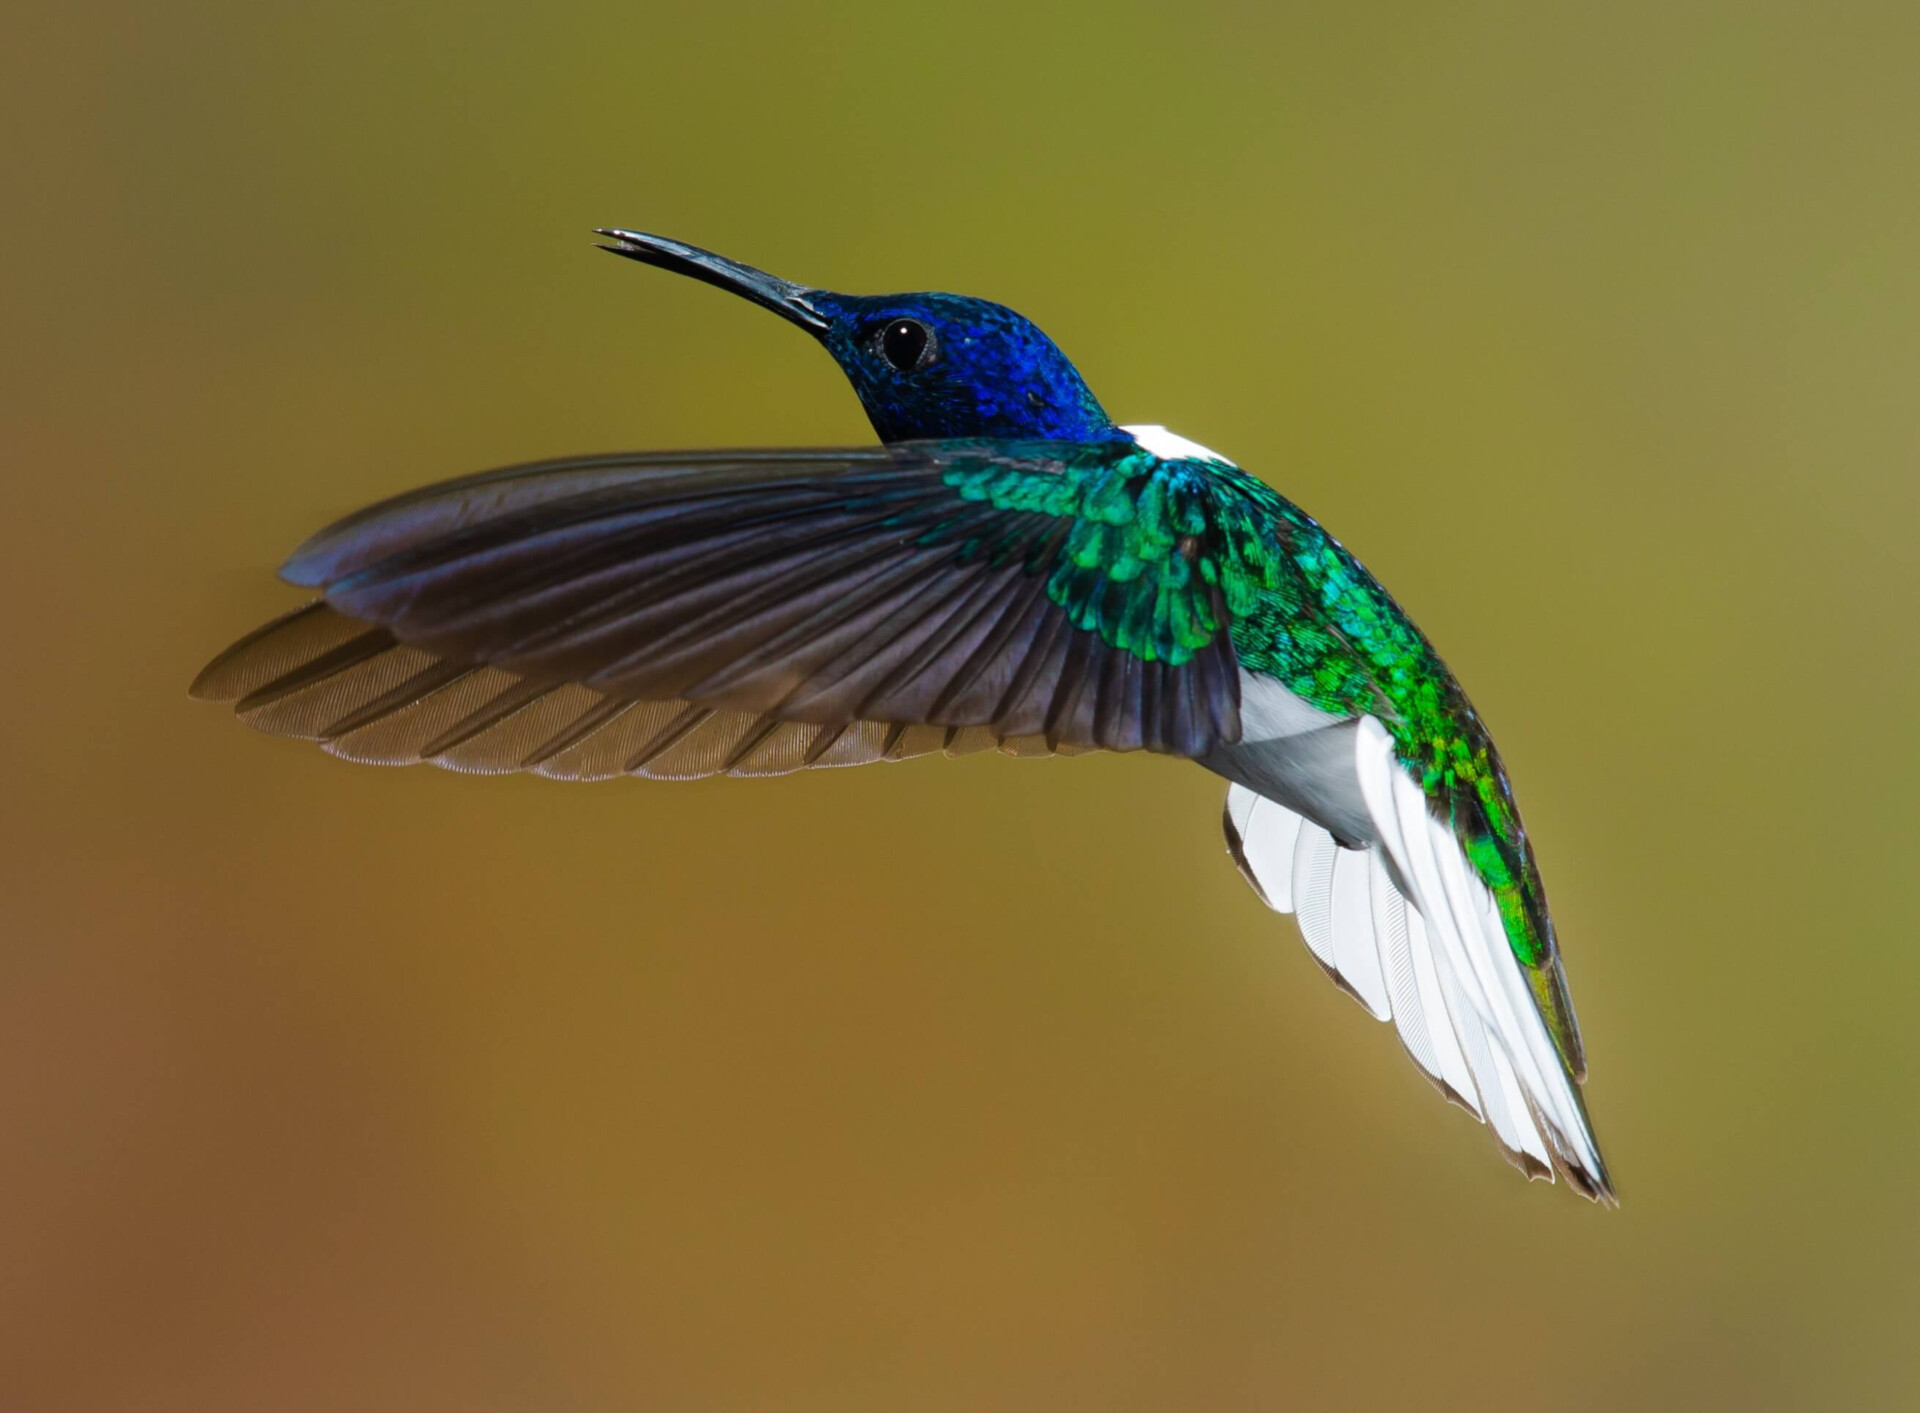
(939, 584)
(393, 730)
(385, 703)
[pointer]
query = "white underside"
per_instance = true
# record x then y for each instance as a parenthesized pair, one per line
(1269, 712)
(1437, 963)
(1174, 447)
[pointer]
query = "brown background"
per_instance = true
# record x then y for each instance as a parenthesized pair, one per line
(978, 1085)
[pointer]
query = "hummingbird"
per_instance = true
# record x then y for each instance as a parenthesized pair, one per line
(1008, 569)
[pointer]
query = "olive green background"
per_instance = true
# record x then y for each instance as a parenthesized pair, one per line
(982, 1084)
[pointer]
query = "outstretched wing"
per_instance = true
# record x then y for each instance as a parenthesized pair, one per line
(756, 611)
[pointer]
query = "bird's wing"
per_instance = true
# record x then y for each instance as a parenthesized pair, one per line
(760, 611)
(317, 675)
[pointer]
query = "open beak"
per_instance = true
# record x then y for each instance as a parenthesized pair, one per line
(789, 301)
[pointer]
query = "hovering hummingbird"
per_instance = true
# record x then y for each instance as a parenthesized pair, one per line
(1008, 569)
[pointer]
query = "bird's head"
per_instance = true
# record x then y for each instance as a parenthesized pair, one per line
(923, 365)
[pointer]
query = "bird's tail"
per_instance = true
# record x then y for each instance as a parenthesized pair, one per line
(1357, 918)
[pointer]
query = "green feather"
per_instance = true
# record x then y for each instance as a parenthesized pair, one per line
(1159, 557)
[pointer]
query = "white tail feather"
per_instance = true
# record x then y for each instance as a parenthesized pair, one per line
(1465, 922)
(1396, 964)
(1313, 860)
(1356, 947)
(1433, 1009)
(1408, 929)
(1265, 834)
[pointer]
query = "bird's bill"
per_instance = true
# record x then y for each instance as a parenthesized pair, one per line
(788, 300)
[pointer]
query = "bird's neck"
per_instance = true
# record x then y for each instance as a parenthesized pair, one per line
(997, 419)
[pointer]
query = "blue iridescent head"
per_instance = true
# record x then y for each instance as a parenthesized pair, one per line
(923, 365)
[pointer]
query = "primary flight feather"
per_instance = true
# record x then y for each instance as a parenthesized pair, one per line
(1008, 569)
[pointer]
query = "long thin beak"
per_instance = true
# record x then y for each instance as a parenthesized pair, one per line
(789, 301)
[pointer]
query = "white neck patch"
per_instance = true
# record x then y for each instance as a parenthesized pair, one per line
(1171, 445)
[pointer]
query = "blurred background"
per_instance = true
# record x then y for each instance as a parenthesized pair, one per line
(980, 1084)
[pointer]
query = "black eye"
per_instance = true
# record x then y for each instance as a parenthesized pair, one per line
(907, 344)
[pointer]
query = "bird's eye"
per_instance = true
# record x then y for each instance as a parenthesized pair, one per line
(907, 344)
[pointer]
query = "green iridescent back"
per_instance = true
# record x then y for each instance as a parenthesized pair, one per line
(1160, 556)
